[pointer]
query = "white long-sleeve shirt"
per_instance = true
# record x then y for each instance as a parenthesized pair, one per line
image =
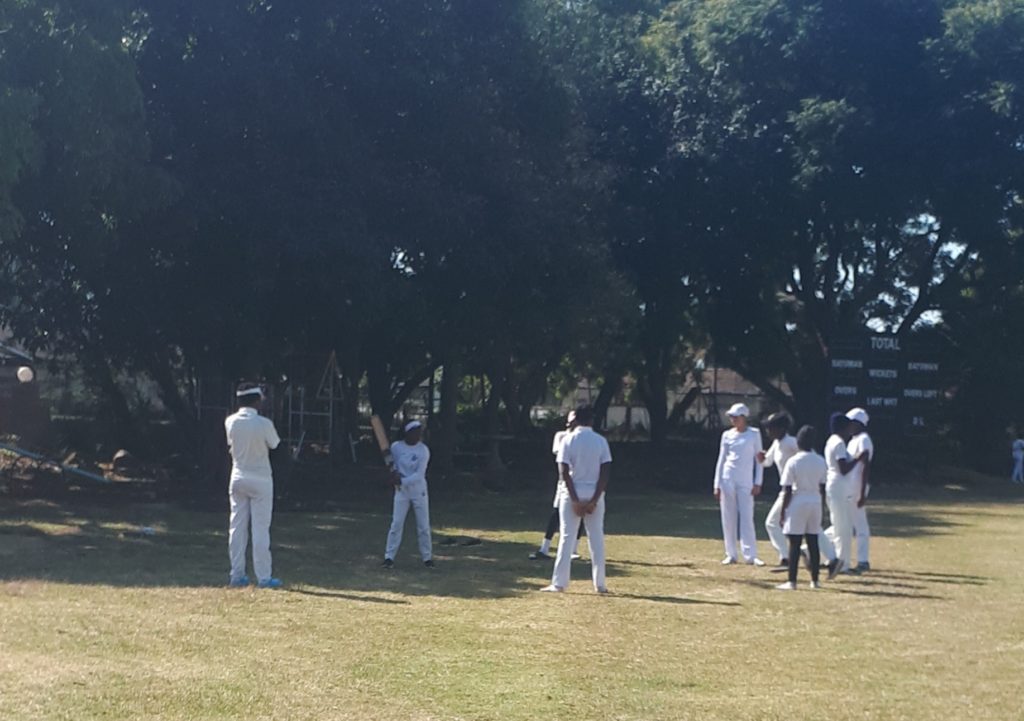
(411, 462)
(251, 437)
(737, 459)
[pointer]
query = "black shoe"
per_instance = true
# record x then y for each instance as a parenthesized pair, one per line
(429, 563)
(388, 563)
(539, 556)
(863, 567)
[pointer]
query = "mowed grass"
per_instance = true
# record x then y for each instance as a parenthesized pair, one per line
(96, 623)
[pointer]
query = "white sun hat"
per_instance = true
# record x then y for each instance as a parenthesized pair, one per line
(738, 409)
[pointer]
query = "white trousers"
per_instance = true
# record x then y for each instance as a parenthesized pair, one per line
(414, 495)
(569, 526)
(737, 506)
(839, 538)
(1018, 469)
(252, 501)
(773, 525)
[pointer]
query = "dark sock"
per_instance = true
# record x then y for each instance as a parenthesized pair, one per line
(794, 557)
(552, 525)
(815, 554)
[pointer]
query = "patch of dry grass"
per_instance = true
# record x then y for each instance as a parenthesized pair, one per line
(99, 624)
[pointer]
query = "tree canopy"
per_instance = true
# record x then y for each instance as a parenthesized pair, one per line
(511, 189)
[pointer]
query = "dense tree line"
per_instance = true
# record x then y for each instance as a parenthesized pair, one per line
(513, 189)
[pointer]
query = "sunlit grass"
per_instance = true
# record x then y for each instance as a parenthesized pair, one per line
(100, 623)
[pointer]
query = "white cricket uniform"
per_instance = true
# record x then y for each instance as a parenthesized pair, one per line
(585, 451)
(778, 455)
(736, 473)
(837, 541)
(250, 437)
(411, 464)
(861, 529)
(1018, 461)
(805, 474)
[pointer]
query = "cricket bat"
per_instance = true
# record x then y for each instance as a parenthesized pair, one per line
(381, 434)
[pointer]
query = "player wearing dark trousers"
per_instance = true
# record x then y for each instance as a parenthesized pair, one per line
(553, 522)
(803, 486)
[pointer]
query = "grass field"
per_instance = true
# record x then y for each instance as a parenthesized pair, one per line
(96, 623)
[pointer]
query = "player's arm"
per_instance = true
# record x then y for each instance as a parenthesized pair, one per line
(862, 499)
(847, 464)
(758, 471)
(602, 485)
(719, 466)
(567, 480)
(786, 498)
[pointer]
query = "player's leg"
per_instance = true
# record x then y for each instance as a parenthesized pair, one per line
(773, 526)
(730, 519)
(549, 534)
(595, 540)
(862, 530)
(400, 509)
(815, 555)
(568, 525)
(238, 531)
(421, 507)
(262, 505)
(794, 556)
(748, 534)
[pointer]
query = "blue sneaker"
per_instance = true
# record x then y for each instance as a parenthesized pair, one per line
(239, 582)
(271, 583)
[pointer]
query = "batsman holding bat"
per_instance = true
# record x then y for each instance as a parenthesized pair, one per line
(410, 457)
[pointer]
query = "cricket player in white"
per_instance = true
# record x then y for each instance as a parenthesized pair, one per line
(553, 521)
(738, 479)
(1017, 452)
(783, 448)
(585, 464)
(803, 486)
(861, 445)
(839, 493)
(251, 437)
(410, 478)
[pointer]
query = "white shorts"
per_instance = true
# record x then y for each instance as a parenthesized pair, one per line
(803, 516)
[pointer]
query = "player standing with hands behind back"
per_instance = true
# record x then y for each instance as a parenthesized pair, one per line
(585, 463)
(251, 437)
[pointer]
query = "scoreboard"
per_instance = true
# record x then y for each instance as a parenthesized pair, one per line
(896, 380)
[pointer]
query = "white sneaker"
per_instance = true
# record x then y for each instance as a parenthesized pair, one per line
(814, 585)
(552, 589)
(757, 562)
(787, 586)
(728, 561)
(575, 557)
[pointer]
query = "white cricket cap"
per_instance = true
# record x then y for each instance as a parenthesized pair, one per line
(412, 425)
(858, 414)
(738, 409)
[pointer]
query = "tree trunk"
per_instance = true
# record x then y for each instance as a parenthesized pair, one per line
(123, 422)
(609, 389)
(443, 451)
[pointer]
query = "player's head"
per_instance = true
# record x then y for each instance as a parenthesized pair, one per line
(570, 420)
(806, 438)
(412, 432)
(839, 424)
(858, 418)
(738, 414)
(778, 425)
(584, 415)
(249, 395)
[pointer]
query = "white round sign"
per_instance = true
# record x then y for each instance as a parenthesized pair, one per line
(26, 374)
